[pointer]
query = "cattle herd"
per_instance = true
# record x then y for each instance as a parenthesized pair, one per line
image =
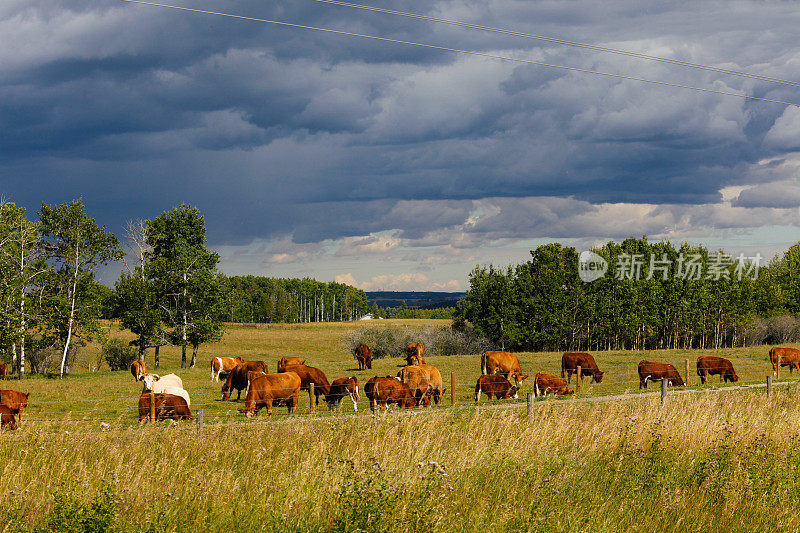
(416, 384)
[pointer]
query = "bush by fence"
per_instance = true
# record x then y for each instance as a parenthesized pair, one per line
(118, 354)
(392, 341)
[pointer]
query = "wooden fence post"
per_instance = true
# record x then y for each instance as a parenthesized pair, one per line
(452, 388)
(311, 397)
(769, 386)
(152, 406)
(687, 372)
(530, 407)
(578, 385)
(664, 382)
(199, 421)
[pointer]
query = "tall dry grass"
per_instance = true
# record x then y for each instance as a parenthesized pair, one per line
(717, 461)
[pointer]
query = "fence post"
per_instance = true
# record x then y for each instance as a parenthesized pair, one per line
(578, 385)
(452, 388)
(311, 397)
(152, 406)
(778, 366)
(769, 386)
(530, 407)
(664, 382)
(199, 421)
(687, 372)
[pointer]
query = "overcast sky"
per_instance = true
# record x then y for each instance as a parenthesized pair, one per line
(397, 167)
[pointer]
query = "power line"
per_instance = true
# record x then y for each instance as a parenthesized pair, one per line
(460, 51)
(562, 42)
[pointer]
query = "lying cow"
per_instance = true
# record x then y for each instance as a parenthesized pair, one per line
(167, 406)
(169, 384)
(339, 389)
(415, 354)
(544, 383)
(425, 383)
(363, 355)
(385, 391)
(570, 362)
(788, 356)
(505, 364)
(237, 378)
(289, 361)
(139, 370)
(494, 386)
(308, 375)
(648, 370)
(7, 420)
(14, 400)
(709, 364)
(4, 370)
(222, 366)
(267, 390)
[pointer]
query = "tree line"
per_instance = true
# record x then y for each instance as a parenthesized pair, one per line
(168, 293)
(653, 295)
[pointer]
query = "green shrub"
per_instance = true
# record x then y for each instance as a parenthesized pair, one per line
(118, 354)
(72, 514)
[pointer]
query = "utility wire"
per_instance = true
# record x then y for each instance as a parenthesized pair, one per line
(469, 52)
(555, 40)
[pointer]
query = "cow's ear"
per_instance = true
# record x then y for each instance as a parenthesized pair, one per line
(27, 394)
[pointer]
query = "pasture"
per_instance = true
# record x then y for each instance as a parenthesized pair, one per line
(727, 460)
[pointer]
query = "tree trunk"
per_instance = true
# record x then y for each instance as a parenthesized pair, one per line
(142, 348)
(156, 358)
(194, 355)
(69, 324)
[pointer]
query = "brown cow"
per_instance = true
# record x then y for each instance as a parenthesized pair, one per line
(15, 400)
(495, 386)
(289, 361)
(308, 375)
(339, 389)
(363, 355)
(709, 364)
(504, 363)
(425, 382)
(167, 406)
(385, 391)
(654, 371)
(7, 420)
(237, 378)
(138, 369)
(544, 383)
(222, 366)
(272, 389)
(789, 357)
(570, 362)
(4, 370)
(415, 353)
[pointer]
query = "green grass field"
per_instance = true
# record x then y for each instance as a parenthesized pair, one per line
(726, 461)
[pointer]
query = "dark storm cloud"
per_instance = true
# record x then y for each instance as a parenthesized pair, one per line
(273, 131)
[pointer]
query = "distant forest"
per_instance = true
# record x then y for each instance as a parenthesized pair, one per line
(684, 297)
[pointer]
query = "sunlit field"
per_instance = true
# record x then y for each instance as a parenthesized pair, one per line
(716, 460)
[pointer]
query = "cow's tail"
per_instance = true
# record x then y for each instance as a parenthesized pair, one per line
(536, 388)
(772, 358)
(219, 362)
(478, 391)
(562, 367)
(483, 364)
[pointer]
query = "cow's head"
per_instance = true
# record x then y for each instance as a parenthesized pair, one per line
(735, 377)
(226, 392)
(149, 380)
(512, 392)
(519, 377)
(413, 360)
(598, 376)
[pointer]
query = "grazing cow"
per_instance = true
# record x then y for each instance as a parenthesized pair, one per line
(544, 383)
(415, 353)
(237, 378)
(385, 391)
(289, 361)
(272, 389)
(504, 363)
(139, 370)
(653, 371)
(169, 384)
(789, 357)
(15, 400)
(4, 370)
(222, 366)
(7, 420)
(494, 386)
(308, 375)
(167, 406)
(339, 389)
(570, 362)
(363, 355)
(709, 364)
(425, 383)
